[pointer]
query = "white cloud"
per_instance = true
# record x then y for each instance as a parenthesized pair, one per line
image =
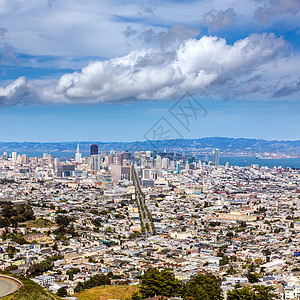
(16, 92)
(151, 74)
(199, 66)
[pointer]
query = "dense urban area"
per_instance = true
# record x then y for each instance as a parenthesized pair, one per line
(174, 226)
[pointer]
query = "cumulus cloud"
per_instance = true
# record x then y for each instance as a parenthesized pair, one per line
(275, 8)
(205, 66)
(19, 91)
(216, 20)
(151, 74)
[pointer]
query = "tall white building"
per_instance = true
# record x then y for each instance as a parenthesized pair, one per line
(25, 159)
(158, 162)
(14, 156)
(78, 155)
(165, 163)
(97, 162)
(56, 162)
(147, 174)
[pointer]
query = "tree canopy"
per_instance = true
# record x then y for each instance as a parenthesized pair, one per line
(163, 283)
(155, 282)
(97, 280)
(207, 286)
(256, 292)
(203, 287)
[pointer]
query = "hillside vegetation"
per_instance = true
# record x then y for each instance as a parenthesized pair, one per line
(29, 291)
(108, 292)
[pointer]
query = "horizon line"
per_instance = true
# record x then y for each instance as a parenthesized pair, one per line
(137, 141)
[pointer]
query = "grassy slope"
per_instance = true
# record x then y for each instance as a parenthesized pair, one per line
(29, 291)
(40, 223)
(108, 292)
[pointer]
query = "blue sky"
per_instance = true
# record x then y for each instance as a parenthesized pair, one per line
(109, 70)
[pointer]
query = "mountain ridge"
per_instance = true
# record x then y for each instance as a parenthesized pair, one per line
(226, 145)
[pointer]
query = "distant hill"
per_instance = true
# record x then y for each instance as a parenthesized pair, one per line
(226, 145)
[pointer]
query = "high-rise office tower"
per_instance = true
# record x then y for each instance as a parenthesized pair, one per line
(146, 173)
(49, 159)
(110, 158)
(119, 158)
(127, 155)
(94, 149)
(14, 157)
(165, 163)
(172, 165)
(25, 159)
(216, 157)
(116, 170)
(56, 162)
(158, 162)
(19, 159)
(96, 162)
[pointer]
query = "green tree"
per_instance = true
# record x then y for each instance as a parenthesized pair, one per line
(233, 258)
(257, 292)
(244, 293)
(155, 282)
(224, 261)
(97, 280)
(109, 230)
(62, 292)
(11, 251)
(62, 220)
(71, 276)
(195, 292)
(55, 247)
(266, 252)
(79, 287)
(231, 271)
(203, 287)
(8, 212)
(136, 296)
(264, 293)
(251, 268)
(252, 277)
